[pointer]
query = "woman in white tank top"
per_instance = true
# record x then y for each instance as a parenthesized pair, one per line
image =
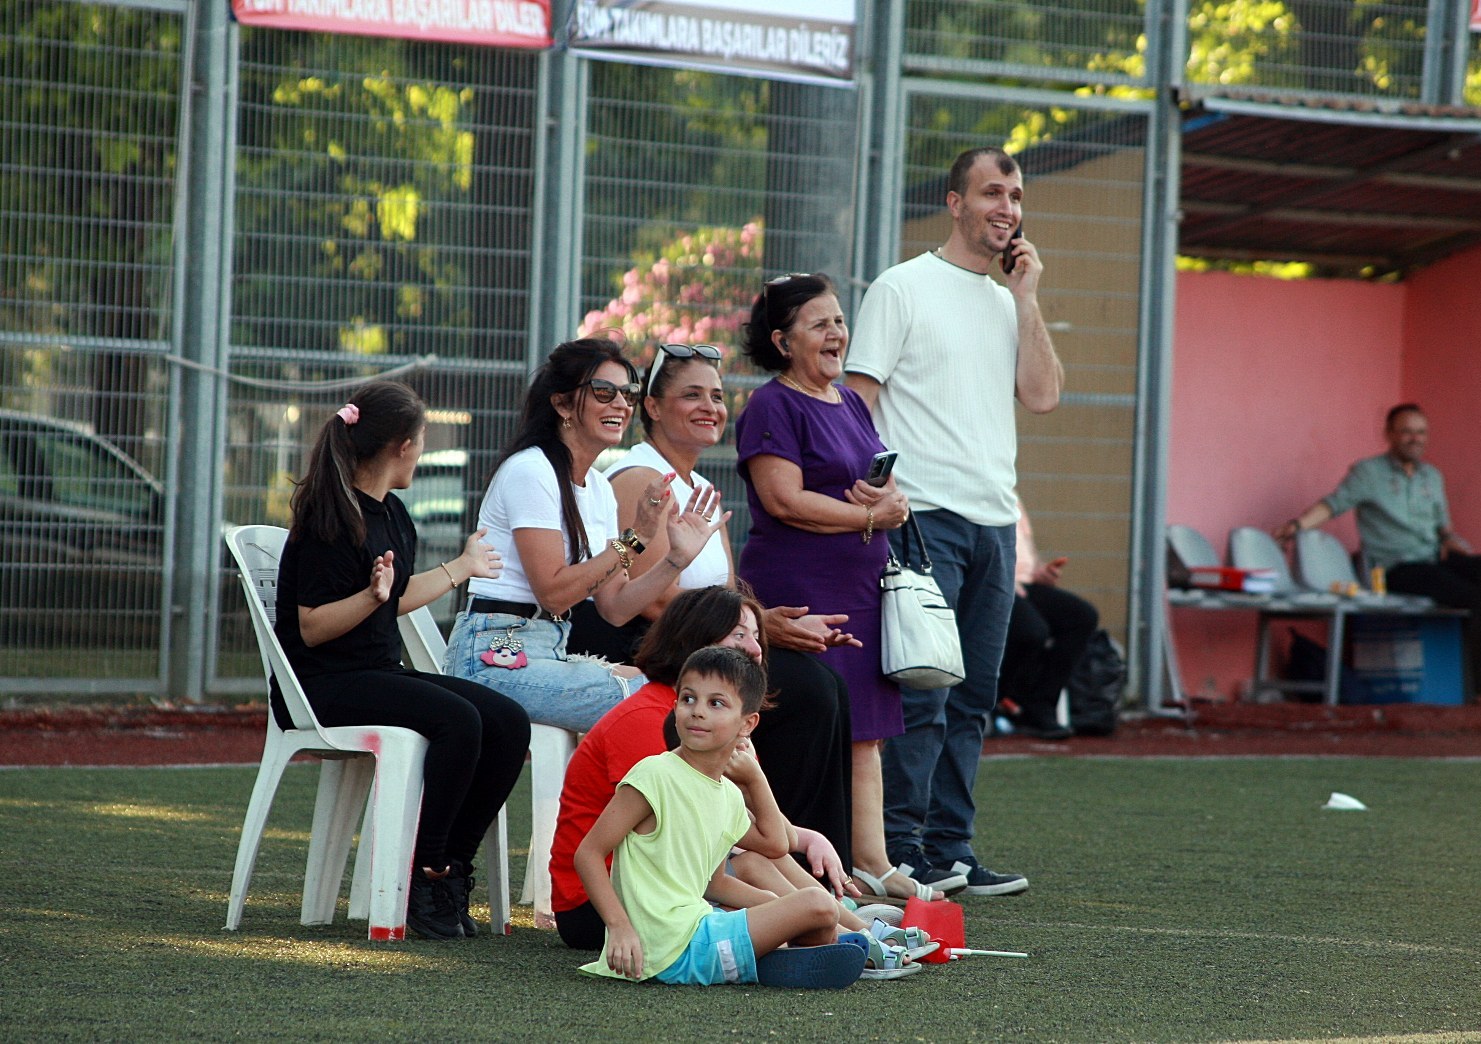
(804, 740)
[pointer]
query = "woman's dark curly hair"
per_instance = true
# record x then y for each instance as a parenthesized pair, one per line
(776, 308)
(695, 618)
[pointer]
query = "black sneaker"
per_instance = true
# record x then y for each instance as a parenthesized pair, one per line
(947, 882)
(461, 882)
(431, 907)
(982, 881)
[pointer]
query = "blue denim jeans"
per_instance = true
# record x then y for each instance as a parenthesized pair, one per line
(930, 770)
(554, 689)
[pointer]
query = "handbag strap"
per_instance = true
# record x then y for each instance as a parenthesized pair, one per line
(910, 529)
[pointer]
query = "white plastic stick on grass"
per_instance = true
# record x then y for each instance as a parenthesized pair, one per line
(958, 951)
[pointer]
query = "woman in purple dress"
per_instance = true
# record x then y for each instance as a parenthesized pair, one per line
(804, 445)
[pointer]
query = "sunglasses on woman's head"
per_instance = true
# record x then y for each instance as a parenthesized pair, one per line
(680, 351)
(605, 391)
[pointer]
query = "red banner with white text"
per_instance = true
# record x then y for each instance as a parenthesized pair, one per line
(490, 23)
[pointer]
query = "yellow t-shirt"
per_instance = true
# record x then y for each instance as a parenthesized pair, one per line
(661, 876)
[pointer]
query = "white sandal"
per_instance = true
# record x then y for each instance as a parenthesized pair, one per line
(877, 890)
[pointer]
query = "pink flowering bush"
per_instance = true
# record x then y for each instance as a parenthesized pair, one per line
(698, 290)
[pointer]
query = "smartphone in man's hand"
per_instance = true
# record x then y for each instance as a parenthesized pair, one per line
(1007, 258)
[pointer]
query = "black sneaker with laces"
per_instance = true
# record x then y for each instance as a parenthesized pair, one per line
(431, 907)
(982, 881)
(461, 882)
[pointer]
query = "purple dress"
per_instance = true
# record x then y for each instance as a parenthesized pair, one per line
(827, 572)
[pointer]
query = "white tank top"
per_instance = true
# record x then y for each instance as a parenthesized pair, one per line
(711, 566)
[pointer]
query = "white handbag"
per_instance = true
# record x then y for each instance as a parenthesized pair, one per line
(919, 644)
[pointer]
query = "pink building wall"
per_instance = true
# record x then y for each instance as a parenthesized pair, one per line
(1278, 386)
(1442, 371)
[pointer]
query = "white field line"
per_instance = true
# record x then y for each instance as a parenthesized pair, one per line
(1230, 933)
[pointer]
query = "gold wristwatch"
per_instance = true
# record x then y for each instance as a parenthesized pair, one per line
(629, 537)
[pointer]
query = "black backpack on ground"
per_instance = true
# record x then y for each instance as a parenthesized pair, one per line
(1095, 687)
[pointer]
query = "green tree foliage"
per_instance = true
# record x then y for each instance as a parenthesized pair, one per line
(89, 111)
(356, 178)
(89, 96)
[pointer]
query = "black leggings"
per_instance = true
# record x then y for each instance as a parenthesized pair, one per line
(1454, 582)
(477, 743)
(581, 928)
(805, 745)
(1047, 636)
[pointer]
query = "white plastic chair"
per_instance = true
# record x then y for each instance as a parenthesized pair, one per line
(425, 647)
(1251, 548)
(356, 756)
(1322, 561)
(1191, 547)
(550, 751)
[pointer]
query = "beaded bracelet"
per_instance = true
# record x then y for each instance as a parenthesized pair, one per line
(868, 533)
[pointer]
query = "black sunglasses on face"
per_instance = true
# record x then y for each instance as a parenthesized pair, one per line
(605, 391)
(680, 351)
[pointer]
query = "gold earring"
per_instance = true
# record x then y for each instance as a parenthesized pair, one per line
(565, 422)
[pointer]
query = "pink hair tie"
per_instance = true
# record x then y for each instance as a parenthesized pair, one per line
(349, 413)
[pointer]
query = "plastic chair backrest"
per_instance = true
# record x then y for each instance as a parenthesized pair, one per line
(1251, 548)
(1191, 547)
(1322, 561)
(257, 551)
(423, 639)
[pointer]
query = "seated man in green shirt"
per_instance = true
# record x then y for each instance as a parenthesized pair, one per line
(1404, 522)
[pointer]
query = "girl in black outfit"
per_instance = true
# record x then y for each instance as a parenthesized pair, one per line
(346, 574)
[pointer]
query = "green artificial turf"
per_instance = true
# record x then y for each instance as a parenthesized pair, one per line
(1171, 900)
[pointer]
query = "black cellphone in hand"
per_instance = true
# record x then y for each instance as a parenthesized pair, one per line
(1007, 258)
(880, 467)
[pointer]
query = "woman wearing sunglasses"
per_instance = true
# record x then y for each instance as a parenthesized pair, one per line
(554, 518)
(803, 446)
(803, 741)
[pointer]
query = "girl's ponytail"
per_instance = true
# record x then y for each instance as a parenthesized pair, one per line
(377, 415)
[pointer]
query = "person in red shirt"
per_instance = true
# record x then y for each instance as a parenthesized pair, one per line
(634, 730)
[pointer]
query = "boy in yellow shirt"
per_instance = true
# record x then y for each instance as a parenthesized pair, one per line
(670, 826)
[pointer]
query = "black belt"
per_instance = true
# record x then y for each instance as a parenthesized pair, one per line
(529, 610)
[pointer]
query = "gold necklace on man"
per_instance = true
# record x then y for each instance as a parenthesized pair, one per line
(831, 395)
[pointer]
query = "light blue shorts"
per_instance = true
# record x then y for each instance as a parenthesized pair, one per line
(719, 952)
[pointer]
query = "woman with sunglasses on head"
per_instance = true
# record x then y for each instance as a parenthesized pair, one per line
(804, 445)
(804, 740)
(555, 519)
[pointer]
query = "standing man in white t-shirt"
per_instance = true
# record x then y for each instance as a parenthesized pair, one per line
(940, 351)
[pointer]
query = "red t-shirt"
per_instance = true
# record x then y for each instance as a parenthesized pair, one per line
(625, 735)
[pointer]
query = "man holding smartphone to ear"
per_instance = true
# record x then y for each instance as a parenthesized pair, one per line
(940, 351)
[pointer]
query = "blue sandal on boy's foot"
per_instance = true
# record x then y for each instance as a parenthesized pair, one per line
(830, 967)
(914, 941)
(886, 961)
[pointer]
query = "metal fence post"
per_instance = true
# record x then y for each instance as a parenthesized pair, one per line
(559, 196)
(1147, 567)
(204, 249)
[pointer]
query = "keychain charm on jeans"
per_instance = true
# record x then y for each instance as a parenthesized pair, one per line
(507, 652)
